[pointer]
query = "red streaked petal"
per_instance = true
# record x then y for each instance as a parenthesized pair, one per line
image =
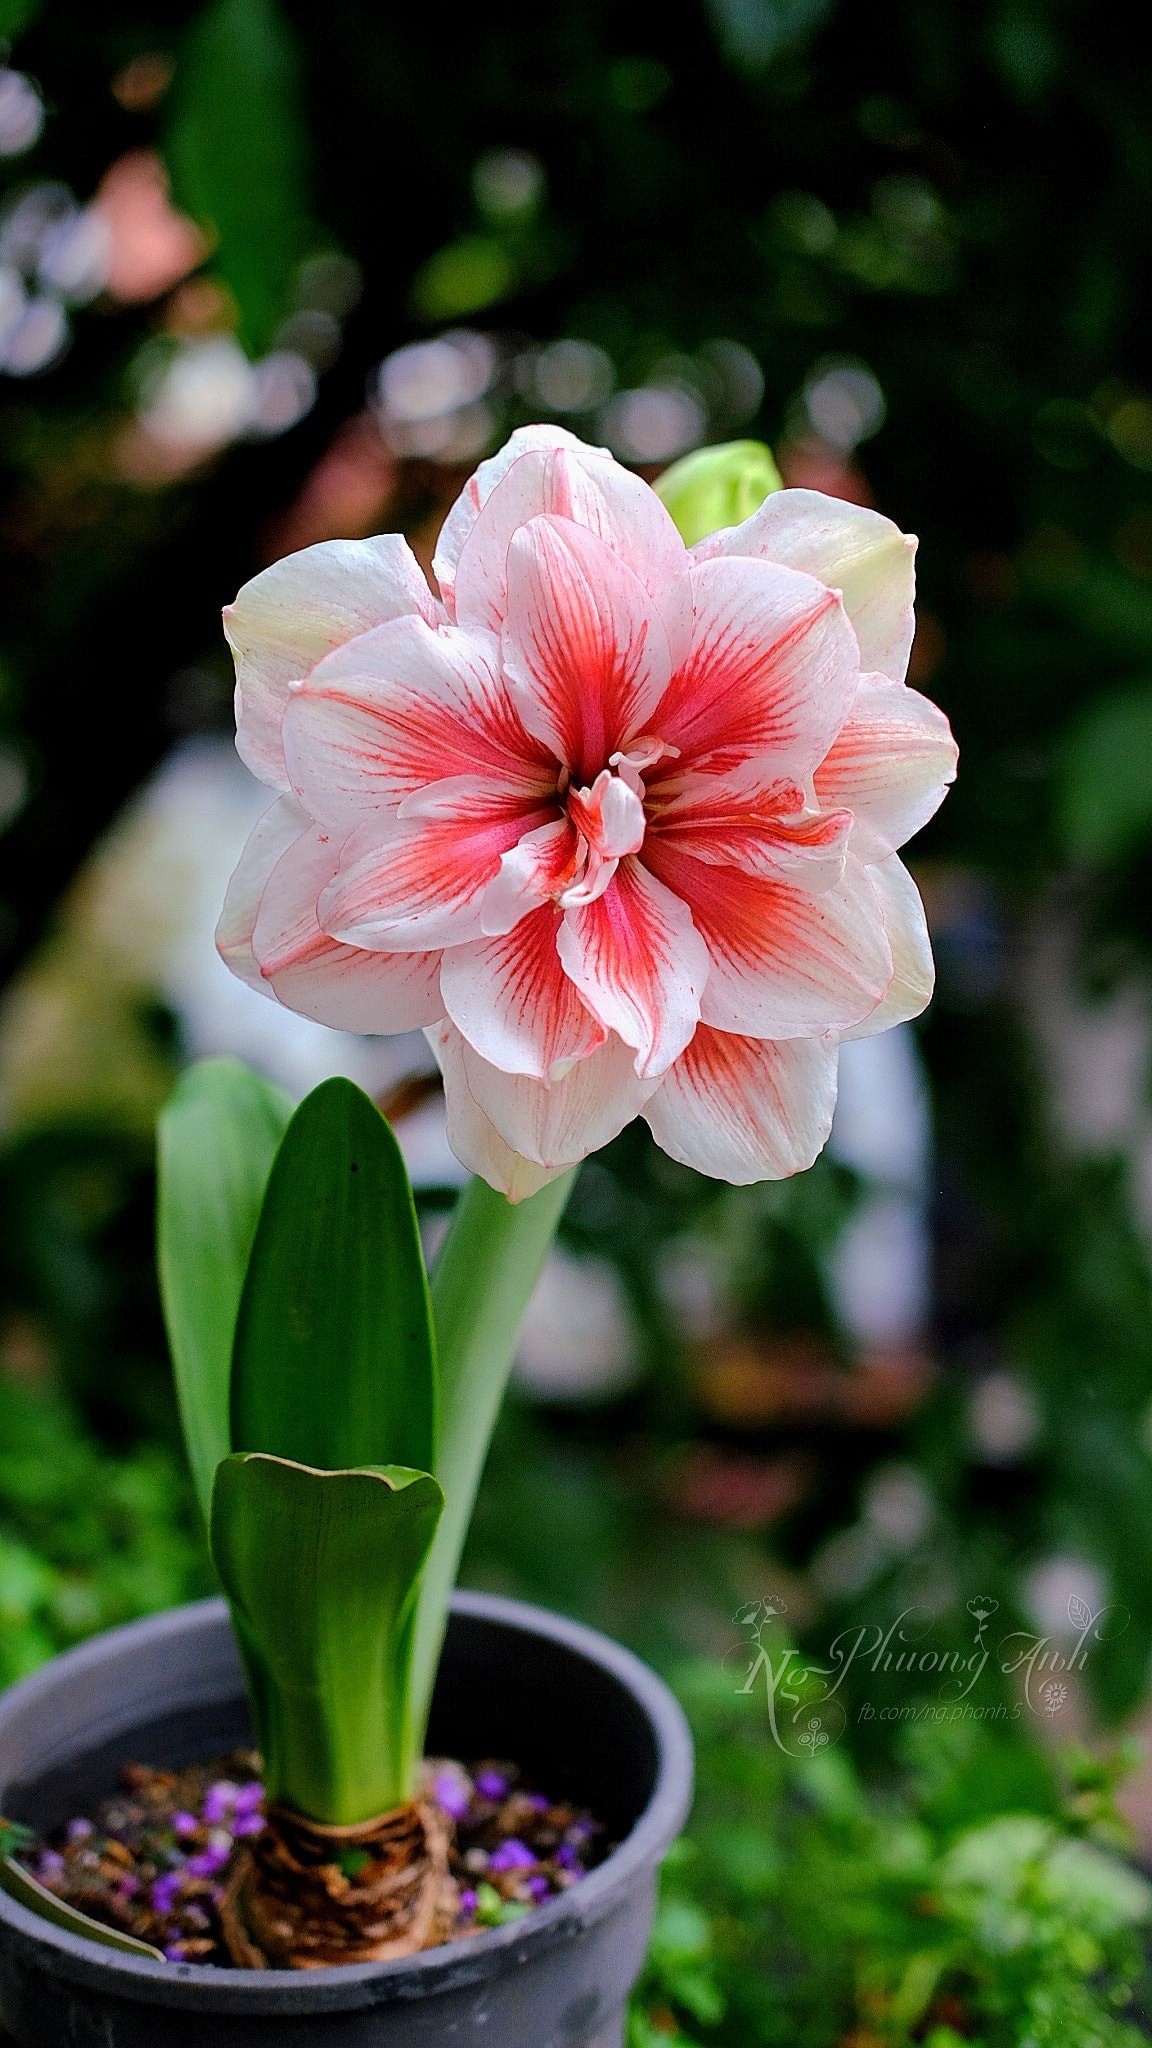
(289, 617)
(462, 517)
(890, 765)
(764, 832)
(771, 674)
(551, 1125)
(639, 964)
(268, 934)
(532, 872)
(585, 654)
(746, 1109)
(417, 883)
(586, 486)
(910, 990)
(784, 963)
(399, 708)
(850, 548)
(513, 1002)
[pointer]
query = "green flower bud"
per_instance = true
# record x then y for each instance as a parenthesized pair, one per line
(717, 487)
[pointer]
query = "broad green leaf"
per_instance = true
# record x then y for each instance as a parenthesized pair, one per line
(321, 1569)
(334, 1361)
(23, 1887)
(236, 152)
(1106, 783)
(217, 1139)
(716, 487)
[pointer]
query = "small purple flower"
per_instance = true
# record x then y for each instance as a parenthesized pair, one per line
(210, 1860)
(512, 1855)
(539, 1888)
(80, 1831)
(469, 1900)
(451, 1794)
(185, 1824)
(50, 1868)
(220, 1802)
(127, 1886)
(566, 1857)
(538, 1803)
(491, 1785)
(248, 1824)
(166, 1890)
(174, 1952)
(249, 1797)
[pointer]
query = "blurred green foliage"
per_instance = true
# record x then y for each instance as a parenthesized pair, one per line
(803, 1910)
(948, 202)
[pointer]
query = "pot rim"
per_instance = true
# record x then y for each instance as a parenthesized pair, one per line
(451, 1964)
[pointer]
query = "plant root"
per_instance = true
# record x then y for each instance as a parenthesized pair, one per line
(308, 1897)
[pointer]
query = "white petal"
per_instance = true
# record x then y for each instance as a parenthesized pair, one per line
(890, 765)
(413, 883)
(914, 979)
(587, 487)
(398, 708)
(290, 616)
(473, 1136)
(341, 986)
(851, 549)
(271, 836)
(746, 1109)
(514, 1003)
(784, 963)
(771, 675)
(639, 964)
(479, 488)
(585, 654)
(552, 1125)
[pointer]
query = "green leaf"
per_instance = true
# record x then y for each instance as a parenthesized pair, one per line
(23, 1887)
(334, 1362)
(1105, 785)
(217, 1139)
(321, 1569)
(717, 487)
(236, 153)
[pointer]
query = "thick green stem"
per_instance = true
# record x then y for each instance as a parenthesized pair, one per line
(481, 1285)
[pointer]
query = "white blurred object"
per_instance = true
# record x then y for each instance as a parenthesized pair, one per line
(1060, 1593)
(653, 423)
(429, 396)
(572, 376)
(21, 113)
(879, 1269)
(1003, 1417)
(1096, 1049)
(897, 1506)
(37, 339)
(844, 403)
(577, 1341)
(883, 1127)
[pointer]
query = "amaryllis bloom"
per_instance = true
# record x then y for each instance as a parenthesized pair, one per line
(615, 820)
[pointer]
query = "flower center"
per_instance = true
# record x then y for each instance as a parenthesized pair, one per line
(608, 818)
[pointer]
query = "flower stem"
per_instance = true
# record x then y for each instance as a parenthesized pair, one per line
(481, 1285)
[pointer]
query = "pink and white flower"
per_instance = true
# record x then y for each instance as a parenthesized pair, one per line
(615, 820)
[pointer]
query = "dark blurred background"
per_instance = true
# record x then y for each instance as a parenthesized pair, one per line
(271, 274)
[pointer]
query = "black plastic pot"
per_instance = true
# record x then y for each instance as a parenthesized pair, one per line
(581, 1716)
